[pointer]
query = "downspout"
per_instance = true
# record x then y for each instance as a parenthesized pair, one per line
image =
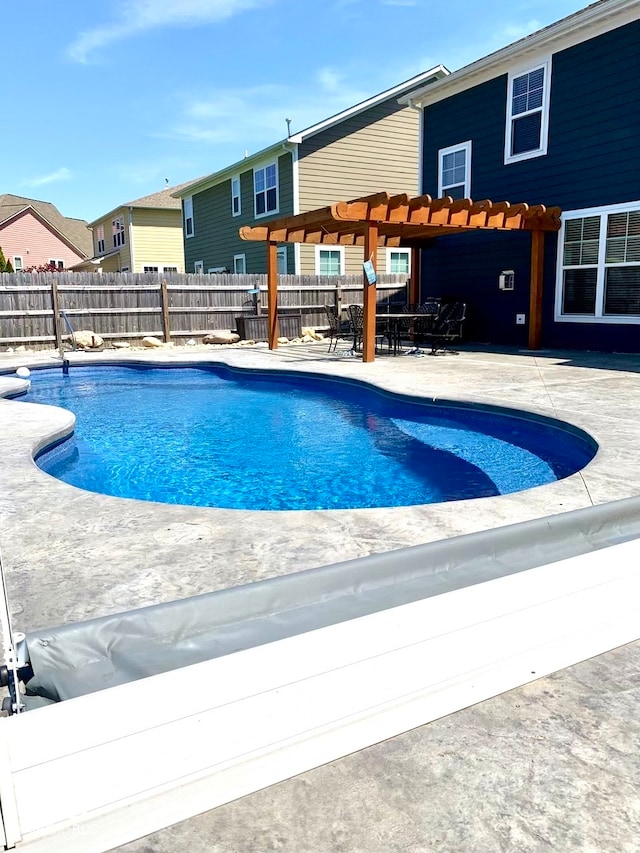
(295, 165)
(132, 260)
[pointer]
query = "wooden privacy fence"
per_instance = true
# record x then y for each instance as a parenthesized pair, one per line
(130, 306)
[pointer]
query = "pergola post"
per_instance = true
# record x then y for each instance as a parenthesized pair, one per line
(535, 290)
(272, 294)
(370, 290)
(414, 281)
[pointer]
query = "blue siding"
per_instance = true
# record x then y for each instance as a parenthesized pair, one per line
(593, 159)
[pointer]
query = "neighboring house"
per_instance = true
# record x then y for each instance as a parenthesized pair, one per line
(34, 233)
(369, 147)
(552, 119)
(140, 236)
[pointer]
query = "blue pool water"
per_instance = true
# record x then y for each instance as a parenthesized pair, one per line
(246, 440)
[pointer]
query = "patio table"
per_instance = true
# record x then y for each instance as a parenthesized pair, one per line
(395, 324)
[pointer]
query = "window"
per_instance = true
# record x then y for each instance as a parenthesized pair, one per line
(235, 196)
(169, 269)
(56, 262)
(100, 239)
(527, 113)
(265, 188)
(198, 267)
(17, 263)
(188, 217)
(329, 261)
(240, 264)
(599, 265)
(454, 171)
(282, 260)
(117, 228)
(399, 261)
(150, 269)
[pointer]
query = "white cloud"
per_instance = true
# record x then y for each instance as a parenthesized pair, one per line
(62, 174)
(254, 117)
(514, 32)
(139, 15)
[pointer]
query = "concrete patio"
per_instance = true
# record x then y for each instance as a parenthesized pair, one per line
(553, 766)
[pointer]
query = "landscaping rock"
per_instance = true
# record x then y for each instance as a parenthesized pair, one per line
(120, 344)
(86, 339)
(151, 342)
(221, 337)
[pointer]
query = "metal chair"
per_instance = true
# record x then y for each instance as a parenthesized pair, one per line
(335, 326)
(356, 324)
(448, 326)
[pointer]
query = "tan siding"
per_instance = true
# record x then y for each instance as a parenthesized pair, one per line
(157, 238)
(353, 258)
(123, 258)
(376, 150)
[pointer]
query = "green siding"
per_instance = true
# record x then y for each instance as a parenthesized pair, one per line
(216, 239)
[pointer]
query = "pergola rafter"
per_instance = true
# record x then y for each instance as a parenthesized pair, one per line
(384, 220)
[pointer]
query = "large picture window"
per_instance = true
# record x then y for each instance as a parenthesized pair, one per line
(265, 183)
(599, 265)
(527, 128)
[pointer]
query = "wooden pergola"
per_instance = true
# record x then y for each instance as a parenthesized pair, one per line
(383, 220)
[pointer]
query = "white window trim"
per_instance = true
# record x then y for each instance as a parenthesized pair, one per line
(17, 258)
(56, 262)
(327, 247)
(188, 202)
(543, 62)
(242, 257)
(151, 272)
(198, 267)
(406, 252)
(467, 172)
(598, 317)
(171, 269)
(214, 270)
(239, 196)
(281, 252)
(258, 168)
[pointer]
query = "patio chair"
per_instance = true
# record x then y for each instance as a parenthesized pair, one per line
(335, 326)
(356, 324)
(356, 327)
(447, 326)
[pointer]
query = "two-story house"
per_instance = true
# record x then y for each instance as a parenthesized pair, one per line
(552, 119)
(141, 236)
(34, 233)
(369, 146)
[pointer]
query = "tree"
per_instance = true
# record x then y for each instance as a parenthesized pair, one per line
(8, 267)
(3, 261)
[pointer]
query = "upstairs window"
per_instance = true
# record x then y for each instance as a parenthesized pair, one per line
(599, 265)
(265, 185)
(188, 217)
(454, 171)
(100, 239)
(117, 229)
(527, 128)
(235, 197)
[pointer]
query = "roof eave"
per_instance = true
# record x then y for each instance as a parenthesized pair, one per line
(50, 225)
(436, 73)
(223, 174)
(581, 26)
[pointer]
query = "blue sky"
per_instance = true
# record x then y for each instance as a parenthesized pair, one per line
(103, 101)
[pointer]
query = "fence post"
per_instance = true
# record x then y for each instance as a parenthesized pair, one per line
(166, 324)
(338, 299)
(55, 305)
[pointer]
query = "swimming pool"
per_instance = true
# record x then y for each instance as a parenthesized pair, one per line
(225, 437)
